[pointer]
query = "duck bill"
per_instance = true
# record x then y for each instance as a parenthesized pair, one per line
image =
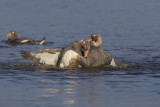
(9, 34)
(89, 39)
(86, 53)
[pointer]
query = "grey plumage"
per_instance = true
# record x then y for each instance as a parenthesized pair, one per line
(97, 57)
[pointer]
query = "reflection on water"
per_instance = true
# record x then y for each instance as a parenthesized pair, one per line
(82, 88)
(71, 93)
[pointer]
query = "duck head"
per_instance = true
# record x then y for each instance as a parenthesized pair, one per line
(12, 34)
(85, 48)
(95, 39)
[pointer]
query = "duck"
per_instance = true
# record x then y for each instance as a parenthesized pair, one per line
(15, 40)
(97, 57)
(73, 51)
(82, 53)
(61, 58)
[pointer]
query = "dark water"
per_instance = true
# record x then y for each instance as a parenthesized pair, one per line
(130, 31)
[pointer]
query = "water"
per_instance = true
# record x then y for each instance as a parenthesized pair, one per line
(130, 31)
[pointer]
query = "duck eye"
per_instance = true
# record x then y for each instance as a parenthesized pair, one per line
(95, 38)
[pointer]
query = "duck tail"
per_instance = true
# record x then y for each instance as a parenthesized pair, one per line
(44, 38)
(113, 63)
(42, 41)
(26, 55)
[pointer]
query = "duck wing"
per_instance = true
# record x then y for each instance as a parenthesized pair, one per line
(24, 40)
(46, 56)
(30, 41)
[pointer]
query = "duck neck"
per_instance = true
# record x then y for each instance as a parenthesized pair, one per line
(79, 49)
(13, 37)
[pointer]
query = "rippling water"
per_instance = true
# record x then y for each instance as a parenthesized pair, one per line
(130, 31)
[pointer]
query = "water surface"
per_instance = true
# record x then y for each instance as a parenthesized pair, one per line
(130, 31)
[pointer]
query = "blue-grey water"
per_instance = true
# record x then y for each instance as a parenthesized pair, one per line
(130, 31)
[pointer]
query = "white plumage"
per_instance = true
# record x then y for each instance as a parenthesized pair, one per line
(113, 63)
(47, 58)
(67, 58)
(24, 41)
(50, 57)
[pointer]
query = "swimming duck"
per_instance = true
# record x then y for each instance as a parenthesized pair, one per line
(63, 58)
(15, 40)
(81, 52)
(97, 57)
